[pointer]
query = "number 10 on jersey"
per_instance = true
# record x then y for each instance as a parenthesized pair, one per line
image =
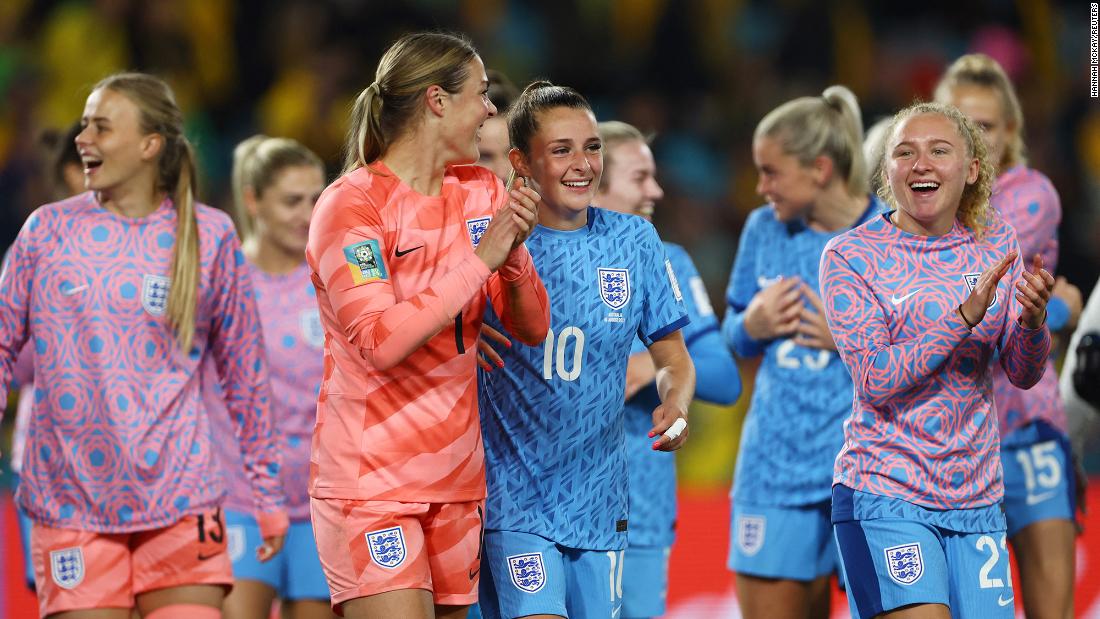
(554, 351)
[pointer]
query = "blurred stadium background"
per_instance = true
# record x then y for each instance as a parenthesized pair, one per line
(697, 73)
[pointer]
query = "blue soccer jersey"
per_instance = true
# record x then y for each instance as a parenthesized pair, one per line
(802, 395)
(653, 473)
(552, 417)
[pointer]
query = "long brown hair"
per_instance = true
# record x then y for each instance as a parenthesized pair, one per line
(176, 172)
(384, 110)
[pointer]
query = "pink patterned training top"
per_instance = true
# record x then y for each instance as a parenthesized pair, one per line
(295, 342)
(1028, 202)
(119, 440)
(922, 423)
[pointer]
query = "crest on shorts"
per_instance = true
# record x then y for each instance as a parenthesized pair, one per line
(312, 331)
(67, 567)
(387, 547)
(750, 533)
(154, 294)
(477, 228)
(905, 563)
(971, 280)
(527, 571)
(235, 541)
(614, 287)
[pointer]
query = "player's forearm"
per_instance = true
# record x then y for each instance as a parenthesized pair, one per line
(1025, 354)
(526, 308)
(717, 379)
(675, 371)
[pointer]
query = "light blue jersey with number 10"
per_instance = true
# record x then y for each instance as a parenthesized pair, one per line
(553, 415)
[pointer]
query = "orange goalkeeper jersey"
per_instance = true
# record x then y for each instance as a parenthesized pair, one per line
(401, 296)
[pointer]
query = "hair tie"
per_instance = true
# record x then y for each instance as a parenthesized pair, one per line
(375, 89)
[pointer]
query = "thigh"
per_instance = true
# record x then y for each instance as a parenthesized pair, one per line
(891, 563)
(453, 535)
(981, 577)
(526, 575)
(303, 578)
(1046, 557)
(790, 543)
(594, 582)
(80, 570)
(242, 534)
(645, 581)
(774, 598)
(1039, 483)
(190, 552)
(369, 548)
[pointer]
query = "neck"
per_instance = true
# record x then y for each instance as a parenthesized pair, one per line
(133, 199)
(418, 161)
(269, 257)
(562, 218)
(836, 209)
(906, 223)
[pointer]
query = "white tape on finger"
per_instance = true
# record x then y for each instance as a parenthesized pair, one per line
(677, 427)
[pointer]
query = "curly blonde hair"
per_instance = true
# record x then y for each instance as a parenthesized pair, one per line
(973, 211)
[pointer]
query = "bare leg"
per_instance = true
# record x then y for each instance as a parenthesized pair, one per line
(1046, 557)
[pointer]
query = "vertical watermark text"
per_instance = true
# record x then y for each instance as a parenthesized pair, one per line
(1094, 50)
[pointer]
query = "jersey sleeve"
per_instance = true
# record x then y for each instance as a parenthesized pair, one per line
(880, 369)
(519, 298)
(385, 331)
(238, 350)
(742, 288)
(663, 308)
(16, 279)
(1040, 235)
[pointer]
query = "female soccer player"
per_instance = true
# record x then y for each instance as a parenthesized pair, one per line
(629, 185)
(919, 305)
(276, 182)
(809, 156)
(404, 248)
(123, 290)
(1038, 468)
(553, 414)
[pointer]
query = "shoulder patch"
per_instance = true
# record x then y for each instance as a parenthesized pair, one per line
(365, 262)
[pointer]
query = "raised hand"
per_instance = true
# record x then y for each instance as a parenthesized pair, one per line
(525, 203)
(984, 291)
(813, 329)
(1033, 291)
(775, 311)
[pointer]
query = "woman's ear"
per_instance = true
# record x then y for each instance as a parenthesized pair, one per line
(435, 98)
(823, 168)
(519, 163)
(151, 145)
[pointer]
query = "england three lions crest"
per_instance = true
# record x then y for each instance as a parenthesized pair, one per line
(387, 547)
(527, 571)
(614, 287)
(67, 567)
(905, 563)
(750, 533)
(476, 228)
(154, 294)
(971, 280)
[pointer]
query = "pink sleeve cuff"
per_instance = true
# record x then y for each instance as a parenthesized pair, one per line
(273, 524)
(517, 265)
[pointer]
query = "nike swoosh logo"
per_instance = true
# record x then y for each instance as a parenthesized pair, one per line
(73, 290)
(896, 300)
(1003, 602)
(203, 557)
(400, 253)
(474, 573)
(1033, 499)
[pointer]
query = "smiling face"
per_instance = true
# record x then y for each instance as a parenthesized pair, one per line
(783, 181)
(565, 162)
(986, 108)
(928, 167)
(115, 152)
(282, 210)
(467, 111)
(630, 182)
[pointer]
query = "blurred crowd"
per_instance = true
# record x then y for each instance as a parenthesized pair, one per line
(699, 74)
